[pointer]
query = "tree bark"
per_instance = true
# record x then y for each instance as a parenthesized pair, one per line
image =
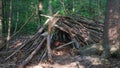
(9, 23)
(0, 23)
(111, 28)
(49, 31)
(99, 11)
(39, 11)
(90, 8)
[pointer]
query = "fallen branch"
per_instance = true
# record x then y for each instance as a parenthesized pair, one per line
(43, 54)
(29, 41)
(51, 23)
(32, 54)
(64, 45)
(6, 52)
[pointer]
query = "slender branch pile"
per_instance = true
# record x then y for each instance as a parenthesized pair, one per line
(81, 30)
(77, 32)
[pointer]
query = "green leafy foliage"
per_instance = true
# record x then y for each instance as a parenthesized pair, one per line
(22, 10)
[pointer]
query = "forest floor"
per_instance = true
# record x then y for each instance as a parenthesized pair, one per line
(63, 58)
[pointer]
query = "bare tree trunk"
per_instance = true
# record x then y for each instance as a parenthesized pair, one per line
(9, 23)
(90, 8)
(49, 31)
(0, 23)
(17, 18)
(73, 8)
(4, 21)
(111, 37)
(99, 10)
(50, 7)
(39, 11)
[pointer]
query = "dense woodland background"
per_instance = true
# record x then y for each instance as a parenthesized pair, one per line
(21, 10)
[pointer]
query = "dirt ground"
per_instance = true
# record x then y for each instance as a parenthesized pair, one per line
(64, 58)
(66, 61)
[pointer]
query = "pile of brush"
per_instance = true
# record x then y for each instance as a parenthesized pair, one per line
(68, 31)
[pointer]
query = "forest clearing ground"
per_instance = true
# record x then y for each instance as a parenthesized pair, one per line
(63, 58)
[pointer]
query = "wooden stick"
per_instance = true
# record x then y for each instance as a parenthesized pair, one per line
(4, 53)
(48, 47)
(64, 45)
(32, 39)
(32, 54)
(43, 54)
(61, 28)
(15, 52)
(52, 22)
